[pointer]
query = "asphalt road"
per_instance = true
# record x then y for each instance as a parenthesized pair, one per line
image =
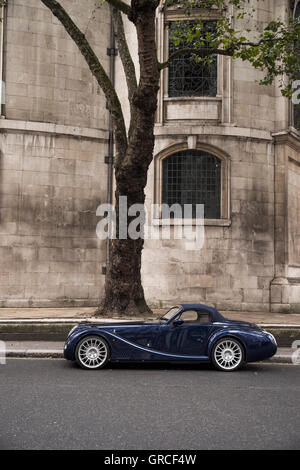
(52, 404)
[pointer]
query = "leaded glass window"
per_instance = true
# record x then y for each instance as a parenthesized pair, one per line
(188, 77)
(296, 107)
(193, 177)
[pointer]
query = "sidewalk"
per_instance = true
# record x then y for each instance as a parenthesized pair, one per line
(84, 313)
(40, 313)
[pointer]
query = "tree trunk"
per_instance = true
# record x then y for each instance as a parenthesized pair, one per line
(124, 294)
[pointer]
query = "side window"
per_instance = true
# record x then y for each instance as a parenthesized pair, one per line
(203, 316)
(193, 316)
(189, 316)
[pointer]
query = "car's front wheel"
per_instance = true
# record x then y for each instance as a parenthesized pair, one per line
(227, 354)
(92, 352)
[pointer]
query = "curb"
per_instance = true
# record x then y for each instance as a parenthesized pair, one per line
(37, 353)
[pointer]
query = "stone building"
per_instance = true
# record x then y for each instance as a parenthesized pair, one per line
(221, 139)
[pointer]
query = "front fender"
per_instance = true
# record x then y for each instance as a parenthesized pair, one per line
(72, 341)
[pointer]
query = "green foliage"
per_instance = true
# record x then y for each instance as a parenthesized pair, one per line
(272, 48)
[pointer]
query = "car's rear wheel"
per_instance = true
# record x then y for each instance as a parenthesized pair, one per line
(228, 354)
(92, 352)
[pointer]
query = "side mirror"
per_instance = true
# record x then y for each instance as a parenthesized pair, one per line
(178, 322)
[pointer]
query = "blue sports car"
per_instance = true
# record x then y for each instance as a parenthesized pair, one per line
(186, 333)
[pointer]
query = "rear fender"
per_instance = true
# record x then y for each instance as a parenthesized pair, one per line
(229, 333)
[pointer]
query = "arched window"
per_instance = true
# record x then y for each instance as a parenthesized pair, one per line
(193, 177)
(296, 107)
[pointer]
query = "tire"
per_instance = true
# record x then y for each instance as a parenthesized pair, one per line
(92, 352)
(227, 354)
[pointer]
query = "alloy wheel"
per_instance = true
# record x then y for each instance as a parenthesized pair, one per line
(92, 352)
(228, 354)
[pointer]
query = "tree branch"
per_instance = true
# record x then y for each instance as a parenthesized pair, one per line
(125, 55)
(95, 67)
(120, 6)
(127, 62)
(205, 51)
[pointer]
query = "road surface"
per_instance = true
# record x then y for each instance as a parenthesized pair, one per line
(52, 404)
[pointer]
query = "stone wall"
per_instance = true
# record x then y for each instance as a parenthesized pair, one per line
(234, 268)
(50, 187)
(294, 212)
(52, 174)
(53, 141)
(285, 288)
(47, 79)
(254, 105)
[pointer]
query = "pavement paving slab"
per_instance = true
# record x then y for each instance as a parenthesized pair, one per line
(82, 313)
(40, 313)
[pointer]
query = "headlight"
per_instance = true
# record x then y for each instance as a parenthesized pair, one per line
(271, 337)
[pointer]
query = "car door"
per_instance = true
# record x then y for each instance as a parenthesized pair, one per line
(140, 334)
(190, 337)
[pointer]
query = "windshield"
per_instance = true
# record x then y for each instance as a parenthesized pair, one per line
(170, 313)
